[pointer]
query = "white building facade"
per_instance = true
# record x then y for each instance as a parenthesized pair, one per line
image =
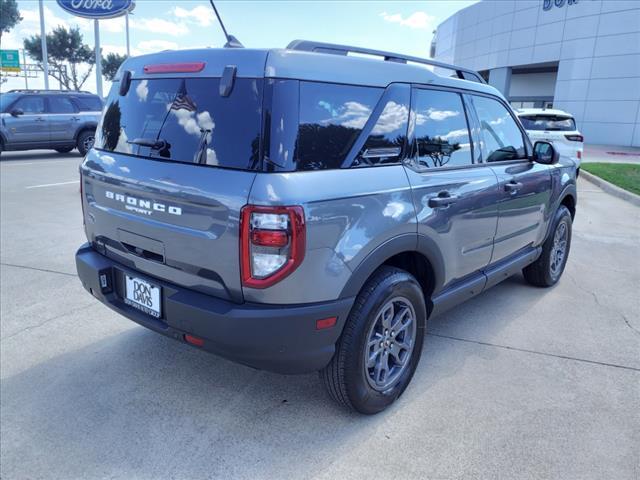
(581, 56)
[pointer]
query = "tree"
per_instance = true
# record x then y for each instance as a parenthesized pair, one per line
(66, 54)
(9, 16)
(110, 65)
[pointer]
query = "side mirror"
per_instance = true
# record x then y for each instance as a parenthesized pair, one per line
(16, 112)
(543, 152)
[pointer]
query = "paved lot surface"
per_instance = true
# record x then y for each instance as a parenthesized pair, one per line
(518, 383)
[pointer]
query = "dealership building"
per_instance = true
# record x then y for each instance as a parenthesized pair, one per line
(581, 56)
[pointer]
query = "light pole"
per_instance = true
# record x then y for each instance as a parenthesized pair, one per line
(45, 56)
(126, 21)
(96, 29)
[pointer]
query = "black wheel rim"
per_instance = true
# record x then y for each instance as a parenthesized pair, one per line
(87, 144)
(559, 249)
(390, 343)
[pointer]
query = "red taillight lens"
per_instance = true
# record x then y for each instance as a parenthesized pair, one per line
(579, 155)
(191, 67)
(270, 238)
(272, 243)
(574, 138)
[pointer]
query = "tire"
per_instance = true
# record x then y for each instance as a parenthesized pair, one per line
(85, 141)
(547, 269)
(64, 150)
(346, 378)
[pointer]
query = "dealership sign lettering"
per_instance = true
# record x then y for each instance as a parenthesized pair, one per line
(548, 4)
(96, 8)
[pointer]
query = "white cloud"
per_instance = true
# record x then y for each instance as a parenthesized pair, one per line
(419, 20)
(391, 119)
(202, 15)
(159, 25)
(152, 46)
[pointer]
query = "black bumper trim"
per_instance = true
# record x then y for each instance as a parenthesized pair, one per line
(278, 338)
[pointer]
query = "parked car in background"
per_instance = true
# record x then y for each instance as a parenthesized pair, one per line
(555, 126)
(48, 119)
(302, 209)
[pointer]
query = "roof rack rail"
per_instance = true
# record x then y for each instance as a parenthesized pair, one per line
(321, 47)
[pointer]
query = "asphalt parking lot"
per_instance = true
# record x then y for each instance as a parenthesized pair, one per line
(517, 383)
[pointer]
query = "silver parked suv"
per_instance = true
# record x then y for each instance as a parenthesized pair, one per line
(303, 209)
(59, 120)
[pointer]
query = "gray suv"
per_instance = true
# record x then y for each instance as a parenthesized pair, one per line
(302, 209)
(48, 119)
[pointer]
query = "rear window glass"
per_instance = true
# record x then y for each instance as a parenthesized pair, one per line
(548, 122)
(185, 120)
(331, 119)
(88, 104)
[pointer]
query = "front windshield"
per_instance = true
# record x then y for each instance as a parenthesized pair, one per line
(6, 99)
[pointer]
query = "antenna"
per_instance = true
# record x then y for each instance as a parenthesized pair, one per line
(232, 42)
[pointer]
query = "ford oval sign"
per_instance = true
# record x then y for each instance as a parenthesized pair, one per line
(95, 8)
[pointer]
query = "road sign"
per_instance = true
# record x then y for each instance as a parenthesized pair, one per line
(10, 60)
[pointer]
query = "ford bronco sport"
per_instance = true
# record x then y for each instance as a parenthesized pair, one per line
(60, 120)
(305, 209)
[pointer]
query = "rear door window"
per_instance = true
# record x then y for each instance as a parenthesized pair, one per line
(548, 122)
(185, 120)
(387, 137)
(61, 105)
(331, 118)
(441, 131)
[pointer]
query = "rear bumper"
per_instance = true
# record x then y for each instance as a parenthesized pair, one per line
(278, 338)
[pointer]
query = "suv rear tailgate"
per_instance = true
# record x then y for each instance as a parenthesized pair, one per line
(169, 220)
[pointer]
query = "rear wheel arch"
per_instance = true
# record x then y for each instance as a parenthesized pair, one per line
(408, 252)
(85, 128)
(569, 201)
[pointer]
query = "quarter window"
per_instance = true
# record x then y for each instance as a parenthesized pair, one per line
(441, 131)
(501, 138)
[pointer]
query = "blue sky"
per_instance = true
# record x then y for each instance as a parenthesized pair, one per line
(400, 26)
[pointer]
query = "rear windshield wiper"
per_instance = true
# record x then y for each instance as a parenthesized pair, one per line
(162, 146)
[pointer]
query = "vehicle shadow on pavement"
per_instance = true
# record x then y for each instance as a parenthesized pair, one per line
(139, 402)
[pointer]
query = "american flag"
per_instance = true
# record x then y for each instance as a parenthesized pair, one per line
(183, 101)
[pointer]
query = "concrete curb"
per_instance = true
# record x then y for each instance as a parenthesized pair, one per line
(610, 188)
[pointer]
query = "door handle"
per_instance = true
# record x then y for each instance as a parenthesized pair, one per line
(75, 119)
(512, 186)
(442, 200)
(40, 119)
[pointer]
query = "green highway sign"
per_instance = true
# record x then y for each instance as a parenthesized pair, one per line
(10, 60)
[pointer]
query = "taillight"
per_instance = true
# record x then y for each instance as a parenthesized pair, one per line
(579, 152)
(574, 138)
(272, 243)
